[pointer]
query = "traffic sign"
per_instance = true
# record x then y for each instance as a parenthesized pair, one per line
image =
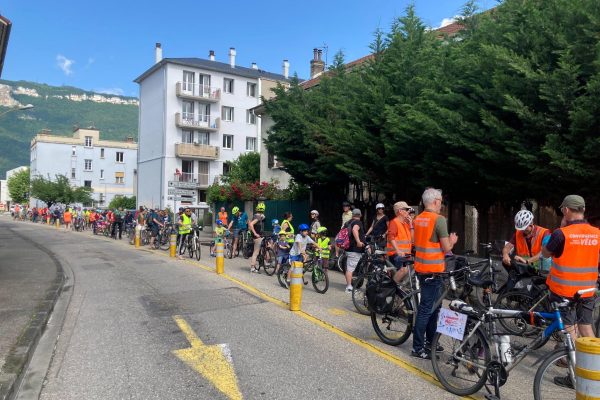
(186, 192)
(183, 185)
(179, 198)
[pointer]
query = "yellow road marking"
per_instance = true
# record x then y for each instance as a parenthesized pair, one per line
(212, 362)
(337, 311)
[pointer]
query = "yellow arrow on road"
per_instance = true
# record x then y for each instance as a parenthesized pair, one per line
(213, 362)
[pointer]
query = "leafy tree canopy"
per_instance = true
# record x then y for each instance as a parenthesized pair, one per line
(18, 186)
(245, 169)
(59, 190)
(128, 203)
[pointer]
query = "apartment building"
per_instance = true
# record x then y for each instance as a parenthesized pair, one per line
(107, 166)
(195, 117)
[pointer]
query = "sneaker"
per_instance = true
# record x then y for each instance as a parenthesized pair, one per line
(348, 289)
(438, 349)
(252, 270)
(563, 381)
(423, 354)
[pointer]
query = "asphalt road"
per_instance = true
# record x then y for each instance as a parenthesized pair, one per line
(130, 311)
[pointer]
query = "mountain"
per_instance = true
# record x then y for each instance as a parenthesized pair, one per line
(58, 108)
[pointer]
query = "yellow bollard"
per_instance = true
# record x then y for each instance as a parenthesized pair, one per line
(138, 236)
(57, 223)
(587, 369)
(296, 285)
(173, 245)
(48, 220)
(220, 267)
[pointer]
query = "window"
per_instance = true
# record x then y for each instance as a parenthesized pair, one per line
(119, 156)
(87, 166)
(250, 117)
(228, 142)
(228, 85)
(187, 110)
(101, 174)
(203, 138)
(101, 153)
(72, 173)
(188, 81)
(227, 113)
(187, 136)
(226, 168)
(87, 184)
(251, 89)
(88, 141)
(120, 177)
(73, 149)
(251, 143)
(101, 201)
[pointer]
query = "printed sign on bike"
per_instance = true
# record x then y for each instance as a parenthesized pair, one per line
(451, 323)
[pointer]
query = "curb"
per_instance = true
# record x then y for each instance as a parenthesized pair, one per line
(21, 352)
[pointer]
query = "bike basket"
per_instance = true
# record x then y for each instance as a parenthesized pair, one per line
(380, 293)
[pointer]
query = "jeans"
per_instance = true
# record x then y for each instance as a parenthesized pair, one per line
(426, 323)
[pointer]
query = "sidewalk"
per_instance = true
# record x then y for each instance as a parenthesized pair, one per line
(30, 280)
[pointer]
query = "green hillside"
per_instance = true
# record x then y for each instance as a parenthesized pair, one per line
(115, 121)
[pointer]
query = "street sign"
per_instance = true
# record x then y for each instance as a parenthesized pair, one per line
(186, 192)
(179, 198)
(183, 185)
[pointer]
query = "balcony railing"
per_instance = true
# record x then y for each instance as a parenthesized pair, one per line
(198, 92)
(197, 121)
(194, 179)
(196, 151)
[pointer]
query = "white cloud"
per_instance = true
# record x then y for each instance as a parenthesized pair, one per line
(89, 62)
(448, 21)
(115, 91)
(65, 64)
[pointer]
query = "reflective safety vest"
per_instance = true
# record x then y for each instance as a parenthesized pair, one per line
(429, 257)
(323, 244)
(223, 217)
(289, 232)
(577, 267)
(403, 238)
(186, 224)
(536, 242)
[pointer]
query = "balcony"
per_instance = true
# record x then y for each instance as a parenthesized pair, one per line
(198, 181)
(194, 91)
(199, 122)
(196, 151)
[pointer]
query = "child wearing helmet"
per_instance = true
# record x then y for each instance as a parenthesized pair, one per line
(324, 247)
(298, 250)
(526, 241)
(283, 251)
(219, 234)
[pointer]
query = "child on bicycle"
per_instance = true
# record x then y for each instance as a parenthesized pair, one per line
(298, 250)
(219, 235)
(283, 251)
(323, 247)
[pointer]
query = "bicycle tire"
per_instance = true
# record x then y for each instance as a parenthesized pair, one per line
(522, 301)
(198, 249)
(341, 262)
(475, 348)
(544, 377)
(228, 250)
(270, 262)
(403, 313)
(191, 246)
(320, 280)
(359, 298)
(282, 275)
(165, 241)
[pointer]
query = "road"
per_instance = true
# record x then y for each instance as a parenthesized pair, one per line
(140, 325)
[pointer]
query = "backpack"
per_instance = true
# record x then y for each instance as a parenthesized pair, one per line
(381, 292)
(342, 239)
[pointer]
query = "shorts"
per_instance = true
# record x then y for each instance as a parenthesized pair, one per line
(352, 260)
(236, 233)
(282, 259)
(581, 313)
(399, 262)
(154, 231)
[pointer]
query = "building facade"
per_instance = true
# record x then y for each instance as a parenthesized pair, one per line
(107, 166)
(195, 117)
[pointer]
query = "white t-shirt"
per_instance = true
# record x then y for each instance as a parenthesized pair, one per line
(300, 244)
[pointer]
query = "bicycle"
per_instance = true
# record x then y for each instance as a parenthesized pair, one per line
(163, 240)
(319, 279)
(227, 245)
(473, 353)
(363, 273)
(193, 243)
(266, 258)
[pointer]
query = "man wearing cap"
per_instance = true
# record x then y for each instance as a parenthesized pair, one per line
(356, 231)
(379, 226)
(399, 238)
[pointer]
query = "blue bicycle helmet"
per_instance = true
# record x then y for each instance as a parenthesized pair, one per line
(275, 222)
(303, 227)
(219, 222)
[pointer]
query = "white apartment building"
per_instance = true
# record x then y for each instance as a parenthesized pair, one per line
(195, 116)
(107, 166)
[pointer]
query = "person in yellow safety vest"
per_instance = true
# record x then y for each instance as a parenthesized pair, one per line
(287, 227)
(399, 244)
(527, 240)
(185, 228)
(432, 241)
(324, 247)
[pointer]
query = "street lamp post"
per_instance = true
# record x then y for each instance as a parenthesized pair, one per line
(19, 108)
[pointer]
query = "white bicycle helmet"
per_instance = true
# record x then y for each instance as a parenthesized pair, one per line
(523, 219)
(315, 212)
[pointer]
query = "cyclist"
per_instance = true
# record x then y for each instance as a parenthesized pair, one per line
(283, 251)
(356, 233)
(238, 225)
(315, 224)
(346, 217)
(67, 216)
(380, 224)
(298, 250)
(324, 247)
(526, 241)
(154, 223)
(287, 227)
(185, 228)
(219, 235)
(399, 243)
(256, 226)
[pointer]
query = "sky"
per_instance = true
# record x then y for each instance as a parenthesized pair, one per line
(104, 45)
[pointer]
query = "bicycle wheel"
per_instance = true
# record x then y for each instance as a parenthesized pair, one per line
(461, 366)
(522, 301)
(228, 251)
(555, 365)
(165, 241)
(191, 246)
(270, 262)
(395, 327)
(282, 275)
(359, 295)
(341, 262)
(320, 280)
(198, 249)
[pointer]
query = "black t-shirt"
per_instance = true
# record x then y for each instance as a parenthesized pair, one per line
(379, 227)
(361, 235)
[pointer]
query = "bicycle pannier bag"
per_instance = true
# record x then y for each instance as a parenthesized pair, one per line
(380, 294)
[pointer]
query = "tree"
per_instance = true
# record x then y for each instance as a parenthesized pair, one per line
(128, 203)
(244, 169)
(18, 186)
(59, 191)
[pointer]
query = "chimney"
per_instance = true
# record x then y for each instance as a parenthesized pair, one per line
(317, 66)
(211, 55)
(254, 66)
(157, 53)
(129, 139)
(232, 57)
(286, 69)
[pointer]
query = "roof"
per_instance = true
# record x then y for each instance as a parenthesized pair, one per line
(450, 29)
(216, 66)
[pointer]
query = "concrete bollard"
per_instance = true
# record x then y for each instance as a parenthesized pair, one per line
(138, 236)
(587, 370)
(296, 285)
(173, 245)
(220, 262)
